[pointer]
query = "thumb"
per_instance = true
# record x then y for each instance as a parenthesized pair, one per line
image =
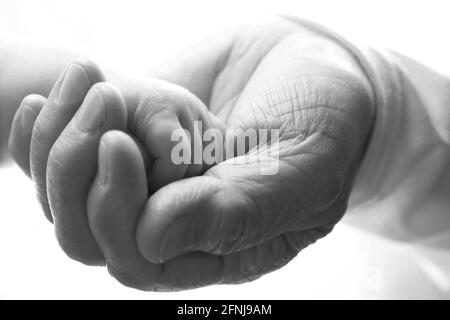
(234, 207)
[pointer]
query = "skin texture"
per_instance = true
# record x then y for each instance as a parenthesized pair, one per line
(115, 198)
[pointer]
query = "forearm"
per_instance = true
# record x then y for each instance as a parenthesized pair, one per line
(25, 69)
(404, 181)
(413, 123)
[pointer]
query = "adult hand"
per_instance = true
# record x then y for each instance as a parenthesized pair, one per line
(230, 224)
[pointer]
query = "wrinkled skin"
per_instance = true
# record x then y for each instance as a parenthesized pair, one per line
(175, 228)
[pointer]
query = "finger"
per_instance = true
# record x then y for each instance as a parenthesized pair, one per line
(22, 127)
(235, 207)
(116, 198)
(63, 101)
(72, 165)
(166, 121)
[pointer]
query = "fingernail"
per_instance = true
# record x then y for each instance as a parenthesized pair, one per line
(27, 119)
(91, 115)
(74, 85)
(103, 163)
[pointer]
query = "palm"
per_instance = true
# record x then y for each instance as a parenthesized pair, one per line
(278, 76)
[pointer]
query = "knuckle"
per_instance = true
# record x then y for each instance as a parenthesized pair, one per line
(153, 109)
(56, 157)
(128, 279)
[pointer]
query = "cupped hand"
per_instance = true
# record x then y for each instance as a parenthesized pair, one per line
(159, 226)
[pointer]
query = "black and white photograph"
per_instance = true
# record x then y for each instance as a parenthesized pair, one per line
(224, 151)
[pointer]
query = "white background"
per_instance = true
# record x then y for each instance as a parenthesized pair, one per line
(135, 35)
